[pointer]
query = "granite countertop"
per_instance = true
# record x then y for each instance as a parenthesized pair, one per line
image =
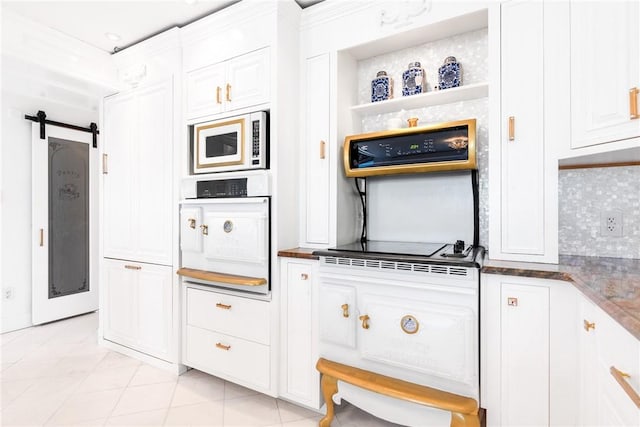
(612, 283)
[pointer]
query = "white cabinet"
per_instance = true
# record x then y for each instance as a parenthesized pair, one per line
(528, 351)
(227, 336)
(137, 310)
(316, 189)
(607, 351)
(137, 175)
(523, 171)
(299, 379)
(338, 314)
(240, 82)
(605, 72)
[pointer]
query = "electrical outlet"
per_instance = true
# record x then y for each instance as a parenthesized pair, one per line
(611, 223)
(7, 293)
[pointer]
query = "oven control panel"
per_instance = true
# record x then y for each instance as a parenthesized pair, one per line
(236, 187)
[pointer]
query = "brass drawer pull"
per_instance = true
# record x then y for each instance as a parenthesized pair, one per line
(620, 377)
(633, 103)
(223, 347)
(205, 229)
(512, 128)
(105, 170)
(218, 94)
(42, 237)
(228, 92)
(192, 223)
(588, 325)
(345, 310)
(223, 306)
(132, 267)
(323, 149)
(365, 321)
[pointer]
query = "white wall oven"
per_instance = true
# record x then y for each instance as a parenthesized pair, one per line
(231, 144)
(224, 236)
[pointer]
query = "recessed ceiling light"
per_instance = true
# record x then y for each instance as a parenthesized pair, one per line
(112, 36)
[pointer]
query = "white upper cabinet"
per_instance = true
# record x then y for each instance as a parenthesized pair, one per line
(534, 115)
(605, 72)
(230, 85)
(137, 168)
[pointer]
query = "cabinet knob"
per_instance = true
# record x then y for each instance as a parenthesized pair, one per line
(512, 302)
(223, 306)
(365, 321)
(192, 223)
(304, 276)
(345, 310)
(633, 103)
(205, 229)
(223, 347)
(588, 325)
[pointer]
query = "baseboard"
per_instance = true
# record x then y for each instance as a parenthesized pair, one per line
(13, 323)
(175, 368)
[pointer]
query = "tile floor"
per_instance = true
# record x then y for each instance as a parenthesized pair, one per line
(57, 375)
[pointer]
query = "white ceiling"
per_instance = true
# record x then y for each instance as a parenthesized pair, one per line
(132, 20)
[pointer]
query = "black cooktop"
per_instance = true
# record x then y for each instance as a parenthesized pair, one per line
(425, 252)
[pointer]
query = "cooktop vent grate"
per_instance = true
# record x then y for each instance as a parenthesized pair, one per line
(400, 266)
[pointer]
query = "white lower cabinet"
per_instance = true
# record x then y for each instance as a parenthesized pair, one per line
(529, 373)
(299, 379)
(227, 336)
(137, 312)
(338, 314)
(607, 351)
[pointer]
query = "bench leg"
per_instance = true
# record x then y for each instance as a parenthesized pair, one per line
(329, 387)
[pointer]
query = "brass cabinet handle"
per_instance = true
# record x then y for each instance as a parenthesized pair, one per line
(192, 223)
(223, 347)
(304, 276)
(633, 103)
(228, 92)
(42, 237)
(365, 321)
(512, 128)
(132, 267)
(620, 377)
(223, 306)
(205, 229)
(218, 94)
(322, 149)
(105, 171)
(588, 325)
(345, 310)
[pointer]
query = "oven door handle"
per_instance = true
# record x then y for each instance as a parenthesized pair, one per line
(229, 279)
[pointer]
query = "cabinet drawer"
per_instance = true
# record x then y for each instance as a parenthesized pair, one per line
(230, 315)
(227, 356)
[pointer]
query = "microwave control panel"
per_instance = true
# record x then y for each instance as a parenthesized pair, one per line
(236, 187)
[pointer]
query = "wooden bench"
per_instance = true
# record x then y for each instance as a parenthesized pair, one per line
(464, 410)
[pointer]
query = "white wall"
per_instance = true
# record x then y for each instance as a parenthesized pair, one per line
(27, 88)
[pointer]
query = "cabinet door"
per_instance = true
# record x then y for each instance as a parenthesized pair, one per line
(586, 325)
(605, 66)
(205, 91)
(525, 354)
(317, 153)
(119, 131)
(337, 314)
(522, 145)
(154, 309)
(247, 80)
(153, 185)
(121, 305)
(300, 379)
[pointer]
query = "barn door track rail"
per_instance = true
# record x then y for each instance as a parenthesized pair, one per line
(41, 118)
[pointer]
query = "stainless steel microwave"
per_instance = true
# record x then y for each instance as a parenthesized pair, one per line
(231, 144)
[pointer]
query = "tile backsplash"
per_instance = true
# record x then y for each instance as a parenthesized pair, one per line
(583, 195)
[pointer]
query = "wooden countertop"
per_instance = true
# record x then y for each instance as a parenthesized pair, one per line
(611, 283)
(304, 253)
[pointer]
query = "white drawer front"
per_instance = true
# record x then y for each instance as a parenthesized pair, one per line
(230, 315)
(227, 356)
